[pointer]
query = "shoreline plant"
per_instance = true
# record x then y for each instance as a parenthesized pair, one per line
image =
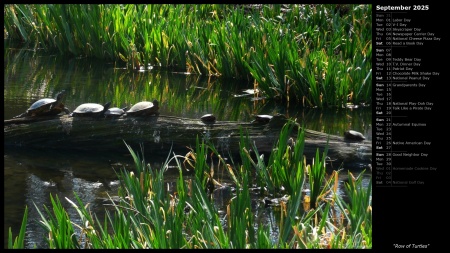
(147, 215)
(316, 55)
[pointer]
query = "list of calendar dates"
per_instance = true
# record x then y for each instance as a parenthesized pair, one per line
(405, 84)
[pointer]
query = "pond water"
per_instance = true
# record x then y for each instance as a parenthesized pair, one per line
(31, 175)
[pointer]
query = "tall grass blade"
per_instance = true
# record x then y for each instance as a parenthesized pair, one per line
(19, 241)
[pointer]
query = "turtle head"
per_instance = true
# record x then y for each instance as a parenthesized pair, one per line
(278, 120)
(60, 96)
(155, 102)
(279, 117)
(106, 106)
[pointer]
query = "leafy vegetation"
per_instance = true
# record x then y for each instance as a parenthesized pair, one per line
(314, 55)
(147, 215)
(308, 55)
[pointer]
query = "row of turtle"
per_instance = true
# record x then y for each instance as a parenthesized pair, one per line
(50, 106)
(143, 108)
(280, 119)
(55, 106)
(258, 119)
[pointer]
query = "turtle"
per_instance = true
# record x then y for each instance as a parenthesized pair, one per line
(90, 110)
(144, 108)
(208, 118)
(115, 112)
(47, 106)
(354, 135)
(264, 119)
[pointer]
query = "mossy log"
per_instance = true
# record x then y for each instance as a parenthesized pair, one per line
(162, 134)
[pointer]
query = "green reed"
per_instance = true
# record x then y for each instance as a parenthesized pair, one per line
(18, 242)
(316, 175)
(58, 226)
(285, 166)
(263, 175)
(240, 220)
(307, 53)
(359, 209)
(148, 215)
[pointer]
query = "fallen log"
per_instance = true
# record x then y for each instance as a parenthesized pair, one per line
(160, 134)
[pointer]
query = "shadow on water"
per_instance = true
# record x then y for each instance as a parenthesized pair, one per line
(31, 175)
(34, 175)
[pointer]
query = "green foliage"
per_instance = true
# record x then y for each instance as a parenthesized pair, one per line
(147, 215)
(316, 174)
(58, 226)
(20, 239)
(304, 53)
(359, 209)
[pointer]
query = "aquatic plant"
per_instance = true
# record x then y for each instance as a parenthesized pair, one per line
(313, 55)
(148, 215)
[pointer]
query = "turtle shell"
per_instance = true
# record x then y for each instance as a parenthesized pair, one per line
(262, 118)
(354, 135)
(208, 118)
(144, 108)
(115, 112)
(278, 119)
(90, 109)
(41, 103)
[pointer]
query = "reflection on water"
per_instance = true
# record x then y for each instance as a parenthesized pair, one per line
(31, 175)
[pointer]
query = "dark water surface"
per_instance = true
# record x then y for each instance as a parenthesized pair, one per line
(31, 175)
